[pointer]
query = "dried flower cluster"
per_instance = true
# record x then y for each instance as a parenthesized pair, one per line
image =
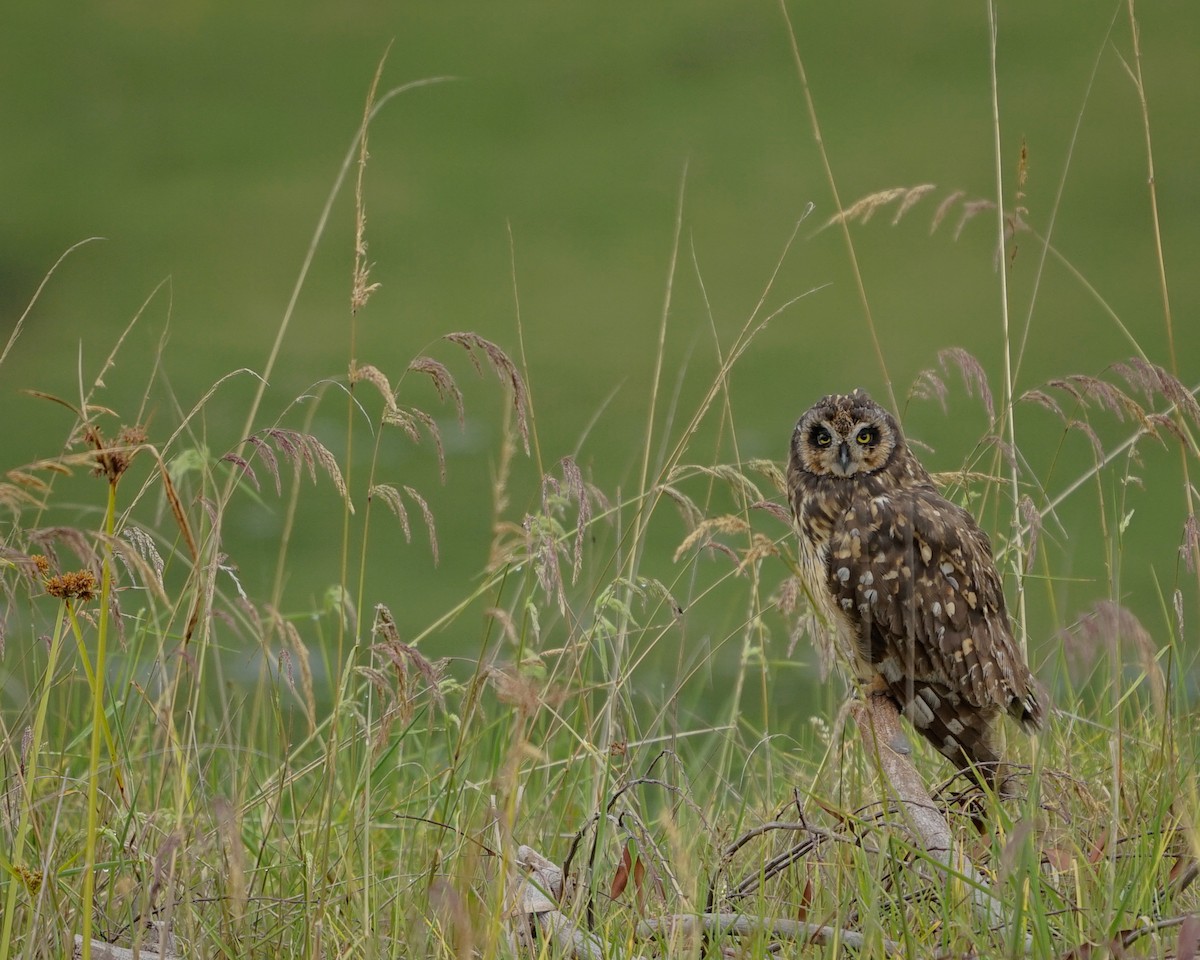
(113, 457)
(75, 585)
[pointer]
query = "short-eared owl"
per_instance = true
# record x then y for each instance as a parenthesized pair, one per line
(907, 580)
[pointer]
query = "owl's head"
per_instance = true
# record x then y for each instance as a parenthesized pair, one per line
(845, 435)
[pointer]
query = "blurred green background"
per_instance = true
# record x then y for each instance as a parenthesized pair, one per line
(201, 140)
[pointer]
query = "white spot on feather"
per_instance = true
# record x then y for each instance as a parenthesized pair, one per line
(918, 712)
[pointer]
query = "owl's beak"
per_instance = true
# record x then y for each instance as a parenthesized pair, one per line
(844, 458)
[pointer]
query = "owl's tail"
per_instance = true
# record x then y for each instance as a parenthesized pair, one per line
(1029, 710)
(963, 733)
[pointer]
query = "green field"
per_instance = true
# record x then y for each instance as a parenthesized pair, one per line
(630, 213)
(202, 146)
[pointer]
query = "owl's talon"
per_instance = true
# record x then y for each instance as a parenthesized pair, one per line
(899, 744)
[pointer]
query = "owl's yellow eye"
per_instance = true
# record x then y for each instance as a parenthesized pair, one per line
(867, 435)
(822, 437)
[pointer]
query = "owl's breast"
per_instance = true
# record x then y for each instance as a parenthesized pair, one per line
(813, 561)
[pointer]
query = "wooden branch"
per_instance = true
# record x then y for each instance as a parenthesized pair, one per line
(878, 723)
(584, 944)
(534, 906)
(534, 913)
(741, 924)
(110, 951)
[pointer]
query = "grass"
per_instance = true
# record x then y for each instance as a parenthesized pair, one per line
(338, 791)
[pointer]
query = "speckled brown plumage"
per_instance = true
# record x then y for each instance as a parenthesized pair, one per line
(907, 580)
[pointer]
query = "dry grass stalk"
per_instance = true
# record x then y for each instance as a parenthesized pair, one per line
(443, 382)
(1110, 629)
(691, 514)
(369, 373)
(703, 534)
(572, 485)
(361, 287)
(302, 450)
(397, 687)
(504, 368)
(864, 209)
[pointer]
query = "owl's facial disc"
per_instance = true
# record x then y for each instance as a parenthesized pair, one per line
(844, 437)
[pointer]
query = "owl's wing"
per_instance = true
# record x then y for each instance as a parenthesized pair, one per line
(916, 573)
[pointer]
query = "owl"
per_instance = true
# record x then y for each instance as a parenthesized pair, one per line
(908, 582)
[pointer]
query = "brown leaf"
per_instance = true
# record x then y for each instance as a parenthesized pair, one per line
(1058, 857)
(1189, 938)
(806, 899)
(620, 879)
(641, 885)
(177, 511)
